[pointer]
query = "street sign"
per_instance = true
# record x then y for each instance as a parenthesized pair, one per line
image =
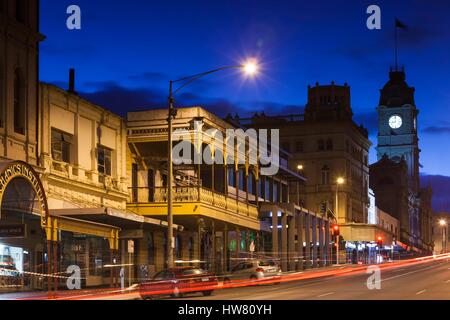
(130, 246)
(13, 231)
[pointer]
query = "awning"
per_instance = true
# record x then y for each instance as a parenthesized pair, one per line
(114, 217)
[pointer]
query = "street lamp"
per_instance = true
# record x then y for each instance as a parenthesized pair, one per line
(443, 224)
(339, 181)
(249, 68)
(300, 167)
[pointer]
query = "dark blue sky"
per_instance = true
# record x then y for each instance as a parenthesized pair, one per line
(127, 51)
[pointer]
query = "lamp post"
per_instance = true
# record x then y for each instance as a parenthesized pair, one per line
(443, 224)
(250, 68)
(339, 181)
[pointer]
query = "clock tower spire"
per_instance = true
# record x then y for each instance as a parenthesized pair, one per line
(397, 125)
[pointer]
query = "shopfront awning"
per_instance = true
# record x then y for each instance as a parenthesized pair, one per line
(114, 217)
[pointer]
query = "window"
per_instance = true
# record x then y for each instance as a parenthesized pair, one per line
(325, 175)
(19, 104)
(242, 180)
(250, 183)
(231, 177)
(134, 183)
(329, 144)
(321, 145)
(104, 161)
(61, 143)
(21, 10)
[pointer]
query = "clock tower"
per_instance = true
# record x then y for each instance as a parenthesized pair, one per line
(397, 125)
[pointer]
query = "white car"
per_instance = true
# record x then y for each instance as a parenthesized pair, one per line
(254, 270)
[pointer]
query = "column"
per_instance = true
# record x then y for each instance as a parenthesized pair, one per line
(322, 243)
(300, 241)
(225, 249)
(275, 235)
(308, 240)
(314, 241)
(291, 243)
(327, 243)
(238, 244)
(284, 244)
(213, 247)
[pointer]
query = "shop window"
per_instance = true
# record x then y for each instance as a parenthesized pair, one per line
(104, 161)
(19, 103)
(61, 144)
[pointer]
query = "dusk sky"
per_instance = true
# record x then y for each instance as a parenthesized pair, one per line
(127, 51)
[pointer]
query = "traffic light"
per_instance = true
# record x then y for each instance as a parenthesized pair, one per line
(336, 230)
(323, 208)
(380, 242)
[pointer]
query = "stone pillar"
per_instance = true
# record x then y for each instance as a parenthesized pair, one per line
(308, 240)
(322, 243)
(213, 247)
(225, 249)
(301, 257)
(284, 242)
(238, 244)
(291, 243)
(327, 243)
(275, 235)
(314, 241)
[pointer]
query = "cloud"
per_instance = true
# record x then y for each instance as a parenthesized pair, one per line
(121, 100)
(149, 76)
(437, 130)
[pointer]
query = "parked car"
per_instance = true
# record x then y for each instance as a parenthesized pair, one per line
(176, 282)
(257, 270)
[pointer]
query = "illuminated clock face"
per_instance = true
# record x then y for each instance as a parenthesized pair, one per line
(395, 122)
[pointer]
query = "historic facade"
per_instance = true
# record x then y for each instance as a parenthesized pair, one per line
(327, 147)
(398, 154)
(229, 211)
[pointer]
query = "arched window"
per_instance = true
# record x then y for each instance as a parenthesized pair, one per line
(19, 103)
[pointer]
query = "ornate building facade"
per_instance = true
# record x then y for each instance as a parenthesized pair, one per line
(398, 166)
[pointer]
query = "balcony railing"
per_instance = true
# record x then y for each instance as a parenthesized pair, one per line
(193, 194)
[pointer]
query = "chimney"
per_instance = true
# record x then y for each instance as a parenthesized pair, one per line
(72, 80)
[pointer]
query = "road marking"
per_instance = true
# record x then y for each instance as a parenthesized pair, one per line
(326, 294)
(420, 292)
(405, 274)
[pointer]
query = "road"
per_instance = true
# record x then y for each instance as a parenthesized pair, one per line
(423, 281)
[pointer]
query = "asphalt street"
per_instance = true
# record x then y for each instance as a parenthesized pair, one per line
(424, 281)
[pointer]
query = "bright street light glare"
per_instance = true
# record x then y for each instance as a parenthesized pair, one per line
(340, 181)
(442, 222)
(250, 67)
